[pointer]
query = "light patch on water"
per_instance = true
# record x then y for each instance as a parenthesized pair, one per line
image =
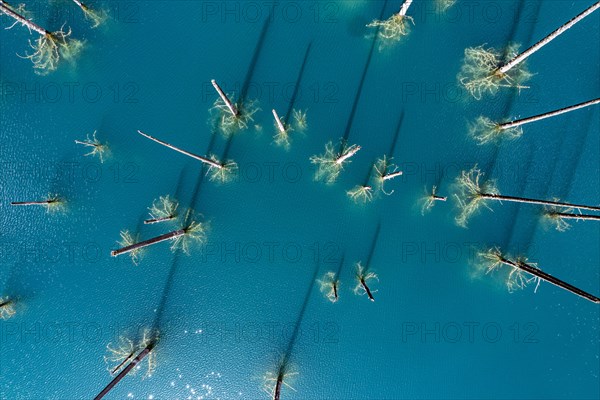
(206, 388)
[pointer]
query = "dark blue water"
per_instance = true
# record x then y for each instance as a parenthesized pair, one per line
(227, 312)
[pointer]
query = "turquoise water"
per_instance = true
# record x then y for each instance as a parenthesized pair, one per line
(227, 312)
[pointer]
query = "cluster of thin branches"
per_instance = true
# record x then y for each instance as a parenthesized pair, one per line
(480, 72)
(125, 350)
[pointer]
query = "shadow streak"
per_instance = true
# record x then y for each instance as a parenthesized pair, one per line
(516, 207)
(361, 82)
(290, 347)
(396, 134)
(341, 264)
(369, 173)
(562, 193)
(508, 105)
(297, 86)
(373, 245)
(158, 325)
(254, 61)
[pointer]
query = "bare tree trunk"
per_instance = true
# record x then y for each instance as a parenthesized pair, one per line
(574, 216)
(521, 57)
(157, 220)
(32, 203)
(278, 385)
(225, 99)
(187, 153)
(347, 155)
(22, 20)
(369, 294)
(519, 122)
(550, 279)
(125, 371)
(391, 176)
(125, 361)
(513, 199)
(278, 122)
(404, 8)
(149, 242)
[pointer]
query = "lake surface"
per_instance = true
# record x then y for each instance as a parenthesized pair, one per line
(248, 297)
